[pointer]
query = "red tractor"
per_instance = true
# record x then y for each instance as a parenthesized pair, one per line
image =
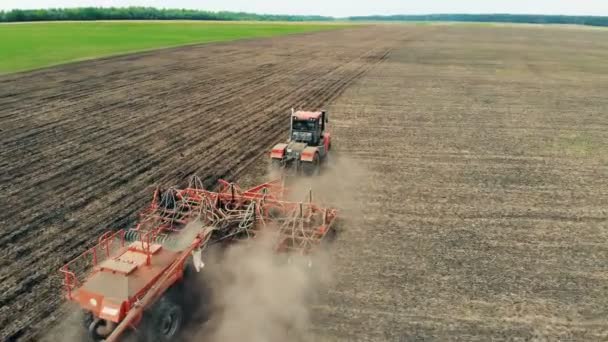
(308, 145)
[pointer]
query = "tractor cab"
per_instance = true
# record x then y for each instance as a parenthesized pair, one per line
(308, 127)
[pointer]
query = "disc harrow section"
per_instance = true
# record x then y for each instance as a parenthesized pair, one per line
(237, 214)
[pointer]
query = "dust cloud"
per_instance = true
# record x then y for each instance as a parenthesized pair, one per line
(338, 185)
(250, 292)
(70, 326)
(259, 295)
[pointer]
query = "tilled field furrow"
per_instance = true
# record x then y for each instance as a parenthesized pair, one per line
(79, 88)
(244, 158)
(151, 83)
(98, 146)
(82, 163)
(480, 181)
(227, 83)
(338, 82)
(111, 133)
(214, 96)
(238, 161)
(64, 186)
(484, 193)
(37, 99)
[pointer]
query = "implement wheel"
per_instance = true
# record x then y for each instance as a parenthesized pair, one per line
(99, 329)
(164, 321)
(87, 318)
(311, 168)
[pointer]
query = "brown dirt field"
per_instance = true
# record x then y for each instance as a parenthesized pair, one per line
(479, 152)
(84, 144)
(482, 160)
(486, 197)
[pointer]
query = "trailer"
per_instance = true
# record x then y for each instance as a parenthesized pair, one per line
(132, 279)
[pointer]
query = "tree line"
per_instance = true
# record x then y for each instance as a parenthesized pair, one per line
(143, 13)
(496, 18)
(150, 13)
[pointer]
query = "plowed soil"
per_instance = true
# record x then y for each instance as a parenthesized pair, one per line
(485, 201)
(472, 168)
(479, 152)
(84, 144)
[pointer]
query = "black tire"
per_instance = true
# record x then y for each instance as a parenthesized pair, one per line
(87, 318)
(311, 168)
(164, 321)
(95, 334)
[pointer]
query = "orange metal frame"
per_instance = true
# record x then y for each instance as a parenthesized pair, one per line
(269, 195)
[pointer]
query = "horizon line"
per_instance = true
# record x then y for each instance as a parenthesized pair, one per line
(304, 15)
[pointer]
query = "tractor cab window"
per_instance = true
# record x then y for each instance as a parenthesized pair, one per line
(304, 125)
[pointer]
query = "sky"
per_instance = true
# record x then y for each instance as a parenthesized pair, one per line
(342, 8)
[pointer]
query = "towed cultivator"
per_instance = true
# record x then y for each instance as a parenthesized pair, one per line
(131, 279)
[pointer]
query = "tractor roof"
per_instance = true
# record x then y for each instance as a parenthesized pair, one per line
(302, 115)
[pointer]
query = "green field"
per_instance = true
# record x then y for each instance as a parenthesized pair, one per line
(35, 45)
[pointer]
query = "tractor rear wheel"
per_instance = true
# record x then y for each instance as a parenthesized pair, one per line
(164, 321)
(311, 168)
